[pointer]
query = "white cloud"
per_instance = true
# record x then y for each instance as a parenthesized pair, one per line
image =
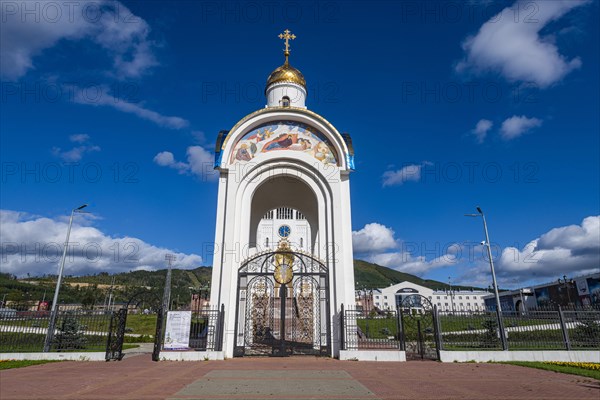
(373, 241)
(166, 159)
(407, 173)
(373, 237)
(510, 43)
(33, 244)
(481, 129)
(103, 97)
(79, 138)
(200, 162)
(406, 262)
(76, 153)
(571, 250)
(515, 126)
(29, 28)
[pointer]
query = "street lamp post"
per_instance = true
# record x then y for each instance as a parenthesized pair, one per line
(54, 309)
(497, 296)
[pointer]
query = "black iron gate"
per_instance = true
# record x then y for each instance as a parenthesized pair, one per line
(116, 335)
(282, 305)
(419, 328)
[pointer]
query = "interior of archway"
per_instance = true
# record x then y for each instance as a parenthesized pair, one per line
(284, 206)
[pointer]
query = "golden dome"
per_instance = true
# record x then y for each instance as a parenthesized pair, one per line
(286, 73)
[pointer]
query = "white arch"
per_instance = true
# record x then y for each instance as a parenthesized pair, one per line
(327, 185)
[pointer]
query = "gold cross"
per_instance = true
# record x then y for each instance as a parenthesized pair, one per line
(287, 35)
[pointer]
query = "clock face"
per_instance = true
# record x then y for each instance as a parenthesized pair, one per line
(284, 273)
(284, 231)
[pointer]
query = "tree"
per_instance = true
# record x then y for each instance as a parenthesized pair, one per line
(490, 336)
(71, 335)
(587, 333)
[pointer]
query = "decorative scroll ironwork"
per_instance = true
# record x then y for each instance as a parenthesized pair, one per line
(282, 319)
(418, 328)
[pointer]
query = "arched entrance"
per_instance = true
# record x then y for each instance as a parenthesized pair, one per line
(284, 172)
(282, 305)
(118, 321)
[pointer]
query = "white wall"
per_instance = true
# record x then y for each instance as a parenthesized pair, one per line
(296, 94)
(537, 355)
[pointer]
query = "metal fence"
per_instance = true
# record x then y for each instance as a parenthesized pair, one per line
(75, 330)
(536, 329)
(206, 329)
(370, 331)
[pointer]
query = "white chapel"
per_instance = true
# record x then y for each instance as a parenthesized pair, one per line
(283, 264)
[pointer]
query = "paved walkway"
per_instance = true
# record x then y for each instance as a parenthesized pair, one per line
(137, 377)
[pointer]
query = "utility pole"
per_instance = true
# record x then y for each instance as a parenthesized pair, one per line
(167, 293)
(110, 291)
(54, 309)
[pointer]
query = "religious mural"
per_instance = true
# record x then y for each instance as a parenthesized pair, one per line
(284, 135)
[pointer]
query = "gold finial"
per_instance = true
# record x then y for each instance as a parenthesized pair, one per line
(287, 35)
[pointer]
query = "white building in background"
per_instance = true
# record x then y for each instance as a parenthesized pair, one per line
(267, 235)
(446, 300)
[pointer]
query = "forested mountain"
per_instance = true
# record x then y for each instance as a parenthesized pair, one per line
(95, 289)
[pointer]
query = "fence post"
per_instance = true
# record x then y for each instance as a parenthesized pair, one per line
(501, 330)
(399, 329)
(158, 335)
(437, 330)
(108, 354)
(221, 327)
(342, 316)
(401, 334)
(563, 327)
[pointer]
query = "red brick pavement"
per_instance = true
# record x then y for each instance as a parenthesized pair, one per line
(140, 378)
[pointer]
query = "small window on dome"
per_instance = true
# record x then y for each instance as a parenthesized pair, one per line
(285, 101)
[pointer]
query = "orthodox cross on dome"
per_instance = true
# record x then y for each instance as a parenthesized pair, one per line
(287, 35)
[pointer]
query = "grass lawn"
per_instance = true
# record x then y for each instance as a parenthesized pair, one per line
(141, 324)
(9, 364)
(565, 369)
(457, 323)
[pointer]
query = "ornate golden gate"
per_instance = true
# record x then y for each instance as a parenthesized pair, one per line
(282, 305)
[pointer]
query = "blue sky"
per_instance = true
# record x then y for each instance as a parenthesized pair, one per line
(450, 105)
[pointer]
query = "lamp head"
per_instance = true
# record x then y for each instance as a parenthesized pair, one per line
(479, 210)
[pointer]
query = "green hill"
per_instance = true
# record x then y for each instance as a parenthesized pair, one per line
(372, 276)
(92, 289)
